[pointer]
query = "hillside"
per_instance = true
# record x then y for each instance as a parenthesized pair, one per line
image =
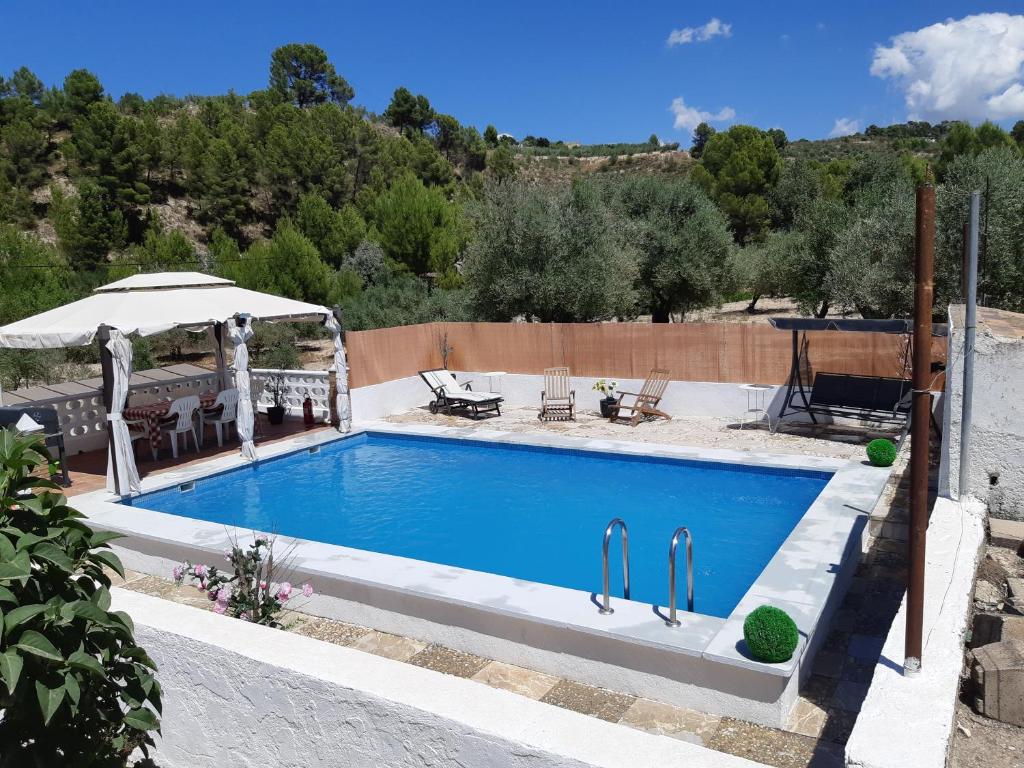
(411, 216)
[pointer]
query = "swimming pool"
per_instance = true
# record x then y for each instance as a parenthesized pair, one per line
(489, 542)
(527, 512)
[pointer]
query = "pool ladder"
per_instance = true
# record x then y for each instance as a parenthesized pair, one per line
(672, 621)
(606, 607)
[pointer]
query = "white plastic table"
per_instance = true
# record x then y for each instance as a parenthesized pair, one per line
(491, 376)
(756, 403)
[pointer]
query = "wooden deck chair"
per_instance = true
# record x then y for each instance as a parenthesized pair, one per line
(557, 399)
(645, 402)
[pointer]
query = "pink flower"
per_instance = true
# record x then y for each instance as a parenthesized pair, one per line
(227, 555)
(245, 616)
(284, 592)
(263, 585)
(220, 607)
(307, 590)
(223, 595)
(212, 594)
(178, 571)
(199, 570)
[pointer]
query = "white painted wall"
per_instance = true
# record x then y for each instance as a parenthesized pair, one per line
(997, 425)
(906, 722)
(684, 398)
(238, 694)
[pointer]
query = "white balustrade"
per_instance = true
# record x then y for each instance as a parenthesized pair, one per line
(83, 419)
(297, 385)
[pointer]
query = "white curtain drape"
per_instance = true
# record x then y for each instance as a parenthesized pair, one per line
(240, 364)
(343, 402)
(120, 349)
(218, 353)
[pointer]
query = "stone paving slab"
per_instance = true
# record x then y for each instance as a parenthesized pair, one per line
(667, 720)
(588, 700)
(449, 661)
(389, 646)
(525, 682)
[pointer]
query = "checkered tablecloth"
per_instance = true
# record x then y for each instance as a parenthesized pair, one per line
(151, 414)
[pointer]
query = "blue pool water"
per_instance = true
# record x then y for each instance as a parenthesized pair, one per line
(530, 513)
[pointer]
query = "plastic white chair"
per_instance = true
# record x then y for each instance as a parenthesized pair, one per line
(180, 422)
(221, 415)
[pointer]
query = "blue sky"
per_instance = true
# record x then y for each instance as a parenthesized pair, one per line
(582, 71)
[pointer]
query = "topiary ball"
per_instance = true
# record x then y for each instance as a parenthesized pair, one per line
(881, 452)
(771, 634)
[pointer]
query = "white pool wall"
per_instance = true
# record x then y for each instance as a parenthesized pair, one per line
(240, 694)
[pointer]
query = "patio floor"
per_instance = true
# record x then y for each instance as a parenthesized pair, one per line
(88, 471)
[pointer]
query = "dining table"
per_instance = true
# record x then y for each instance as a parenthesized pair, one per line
(150, 415)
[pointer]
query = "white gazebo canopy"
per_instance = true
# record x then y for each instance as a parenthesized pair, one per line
(143, 305)
(146, 304)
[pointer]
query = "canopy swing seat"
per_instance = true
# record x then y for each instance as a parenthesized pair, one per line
(878, 399)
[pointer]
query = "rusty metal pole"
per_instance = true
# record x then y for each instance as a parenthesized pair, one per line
(920, 423)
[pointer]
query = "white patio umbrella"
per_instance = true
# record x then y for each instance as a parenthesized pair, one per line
(146, 304)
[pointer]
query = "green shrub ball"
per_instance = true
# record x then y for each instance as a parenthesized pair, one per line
(771, 634)
(881, 452)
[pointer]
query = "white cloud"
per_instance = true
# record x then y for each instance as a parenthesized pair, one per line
(691, 117)
(714, 28)
(844, 126)
(966, 69)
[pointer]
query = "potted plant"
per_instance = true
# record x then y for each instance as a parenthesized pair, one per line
(276, 388)
(606, 388)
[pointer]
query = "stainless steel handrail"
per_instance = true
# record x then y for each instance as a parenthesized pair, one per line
(606, 607)
(672, 621)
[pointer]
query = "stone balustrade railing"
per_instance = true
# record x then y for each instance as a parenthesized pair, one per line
(79, 404)
(83, 418)
(297, 385)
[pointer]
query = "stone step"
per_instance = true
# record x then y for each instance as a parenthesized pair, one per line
(887, 529)
(998, 676)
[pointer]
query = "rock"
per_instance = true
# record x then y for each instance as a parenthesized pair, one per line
(1013, 628)
(1006, 533)
(1015, 594)
(998, 675)
(994, 628)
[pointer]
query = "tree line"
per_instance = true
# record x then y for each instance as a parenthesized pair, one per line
(410, 216)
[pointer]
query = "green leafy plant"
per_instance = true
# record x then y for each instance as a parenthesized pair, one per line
(771, 634)
(881, 452)
(75, 689)
(605, 387)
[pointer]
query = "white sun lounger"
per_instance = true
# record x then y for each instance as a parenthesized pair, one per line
(449, 394)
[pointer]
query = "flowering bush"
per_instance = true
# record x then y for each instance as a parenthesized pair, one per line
(605, 387)
(247, 589)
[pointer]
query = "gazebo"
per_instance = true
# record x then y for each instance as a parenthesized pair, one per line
(147, 304)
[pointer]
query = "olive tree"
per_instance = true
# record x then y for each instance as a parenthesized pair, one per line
(999, 175)
(682, 241)
(548, 253)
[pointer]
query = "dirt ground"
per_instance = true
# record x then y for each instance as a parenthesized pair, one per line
(978, 741)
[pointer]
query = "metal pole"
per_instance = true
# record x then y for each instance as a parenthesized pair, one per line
(920, 424)
(107, 367)
(970, 326)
